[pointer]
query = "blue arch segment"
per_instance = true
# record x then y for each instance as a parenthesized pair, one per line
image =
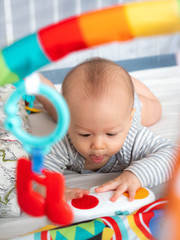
(25, 56)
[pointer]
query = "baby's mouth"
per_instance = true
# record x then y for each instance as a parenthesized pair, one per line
(97, 159)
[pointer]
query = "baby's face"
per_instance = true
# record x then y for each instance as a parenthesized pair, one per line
(99, 127)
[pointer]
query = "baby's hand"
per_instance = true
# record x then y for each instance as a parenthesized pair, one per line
(73, 193)
(126, 182)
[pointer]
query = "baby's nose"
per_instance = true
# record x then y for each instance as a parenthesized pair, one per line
(98, 143)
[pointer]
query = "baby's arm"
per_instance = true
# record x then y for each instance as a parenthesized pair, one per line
(152, 162)
(44, 101)
(151, 107)
(126, 182)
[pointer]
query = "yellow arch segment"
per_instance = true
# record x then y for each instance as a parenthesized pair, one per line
(153, 17)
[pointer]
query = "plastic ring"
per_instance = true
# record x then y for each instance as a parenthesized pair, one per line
(13, 121)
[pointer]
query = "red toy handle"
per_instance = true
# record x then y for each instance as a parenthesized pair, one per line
(33, 203)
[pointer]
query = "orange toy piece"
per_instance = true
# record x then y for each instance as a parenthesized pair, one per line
(171, 224)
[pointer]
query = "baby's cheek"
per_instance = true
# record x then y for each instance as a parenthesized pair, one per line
(116, 146)
(81, 146)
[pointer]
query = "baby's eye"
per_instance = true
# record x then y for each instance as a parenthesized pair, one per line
(111, 134)
(84, 135)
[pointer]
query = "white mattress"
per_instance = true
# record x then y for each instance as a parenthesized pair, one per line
(165, 83)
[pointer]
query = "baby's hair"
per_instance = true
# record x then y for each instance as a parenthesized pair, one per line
(95, 76)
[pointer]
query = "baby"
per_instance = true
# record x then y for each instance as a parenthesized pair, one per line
(106, 132)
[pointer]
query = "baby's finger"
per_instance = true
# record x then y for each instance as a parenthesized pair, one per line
(111, 185)
(80, 193)
(85, 192)
(119, 191)
(132, 193)
(74, 193)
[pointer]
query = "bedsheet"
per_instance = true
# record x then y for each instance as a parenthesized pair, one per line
(165, 83)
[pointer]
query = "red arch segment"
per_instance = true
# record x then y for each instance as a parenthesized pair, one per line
(57, 40)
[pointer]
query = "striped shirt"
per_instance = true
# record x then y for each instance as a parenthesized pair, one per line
(151, 158)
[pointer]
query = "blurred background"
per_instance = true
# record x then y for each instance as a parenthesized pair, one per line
(19, 18)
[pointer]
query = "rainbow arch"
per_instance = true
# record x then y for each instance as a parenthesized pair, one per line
(118, 23)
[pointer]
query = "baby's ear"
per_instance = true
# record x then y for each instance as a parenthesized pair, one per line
(132, 113)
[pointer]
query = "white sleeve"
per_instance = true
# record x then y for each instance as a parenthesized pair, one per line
(153, 158)
(58, 158)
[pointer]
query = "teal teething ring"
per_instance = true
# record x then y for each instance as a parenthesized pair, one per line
(13, 121)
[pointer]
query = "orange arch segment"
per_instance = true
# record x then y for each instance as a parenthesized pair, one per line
(105, 26)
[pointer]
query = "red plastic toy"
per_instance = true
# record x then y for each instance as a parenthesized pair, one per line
(33, 203)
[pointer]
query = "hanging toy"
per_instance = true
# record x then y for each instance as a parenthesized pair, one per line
(30, 170)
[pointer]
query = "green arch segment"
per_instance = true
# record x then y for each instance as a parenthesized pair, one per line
(6, 75)
(178, 3)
